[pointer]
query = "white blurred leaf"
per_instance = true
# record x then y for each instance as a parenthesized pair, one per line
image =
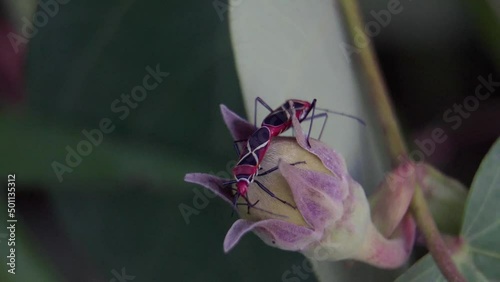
(292, 49)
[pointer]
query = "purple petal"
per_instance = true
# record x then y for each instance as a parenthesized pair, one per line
(240, 129)
(319, 196)
(392, 199)
(331, 159)
(389, 253)
(213, 183)
(274, 232)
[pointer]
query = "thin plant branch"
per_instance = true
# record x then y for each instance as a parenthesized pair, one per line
(396, 145)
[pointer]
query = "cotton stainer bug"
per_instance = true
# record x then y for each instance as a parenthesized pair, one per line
(257, 144)
(276, 122)
(280, 120)
(248, 166)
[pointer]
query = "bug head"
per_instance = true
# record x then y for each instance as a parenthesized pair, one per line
(242, 186)
(302, 108)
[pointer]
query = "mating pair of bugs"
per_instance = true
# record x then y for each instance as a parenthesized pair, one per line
(275, 123)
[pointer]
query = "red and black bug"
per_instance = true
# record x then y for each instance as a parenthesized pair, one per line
(248, 166)
(253, 153)
(280, 120)
(275, 123)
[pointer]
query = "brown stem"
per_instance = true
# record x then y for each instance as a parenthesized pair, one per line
(396, 145)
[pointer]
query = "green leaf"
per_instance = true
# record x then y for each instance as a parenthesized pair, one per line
(446, 198)
(82, 61)
(478, 257)
(111, 160)
(87, 57)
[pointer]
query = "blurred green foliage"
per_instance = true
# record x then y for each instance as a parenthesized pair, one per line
(479, 256)
(119, 207)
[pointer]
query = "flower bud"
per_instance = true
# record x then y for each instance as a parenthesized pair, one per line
(328, 217)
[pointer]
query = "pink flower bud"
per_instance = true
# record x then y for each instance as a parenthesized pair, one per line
(332, 219)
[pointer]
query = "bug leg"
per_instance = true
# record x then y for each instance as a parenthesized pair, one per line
(235, 202)
(313, 106)
(248, 204)
(264, 188)
(237, 195)
(276, 167)
(321, 115)
(229, 183)
(236, 147)
(259, 100)
(325, 115)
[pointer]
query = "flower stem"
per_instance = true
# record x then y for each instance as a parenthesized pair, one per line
(396, 145)
(434, 241)
(378, 88)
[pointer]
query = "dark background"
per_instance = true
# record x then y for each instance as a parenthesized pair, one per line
(120, 207)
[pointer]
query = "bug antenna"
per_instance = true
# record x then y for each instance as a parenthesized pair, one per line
(362, 122)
